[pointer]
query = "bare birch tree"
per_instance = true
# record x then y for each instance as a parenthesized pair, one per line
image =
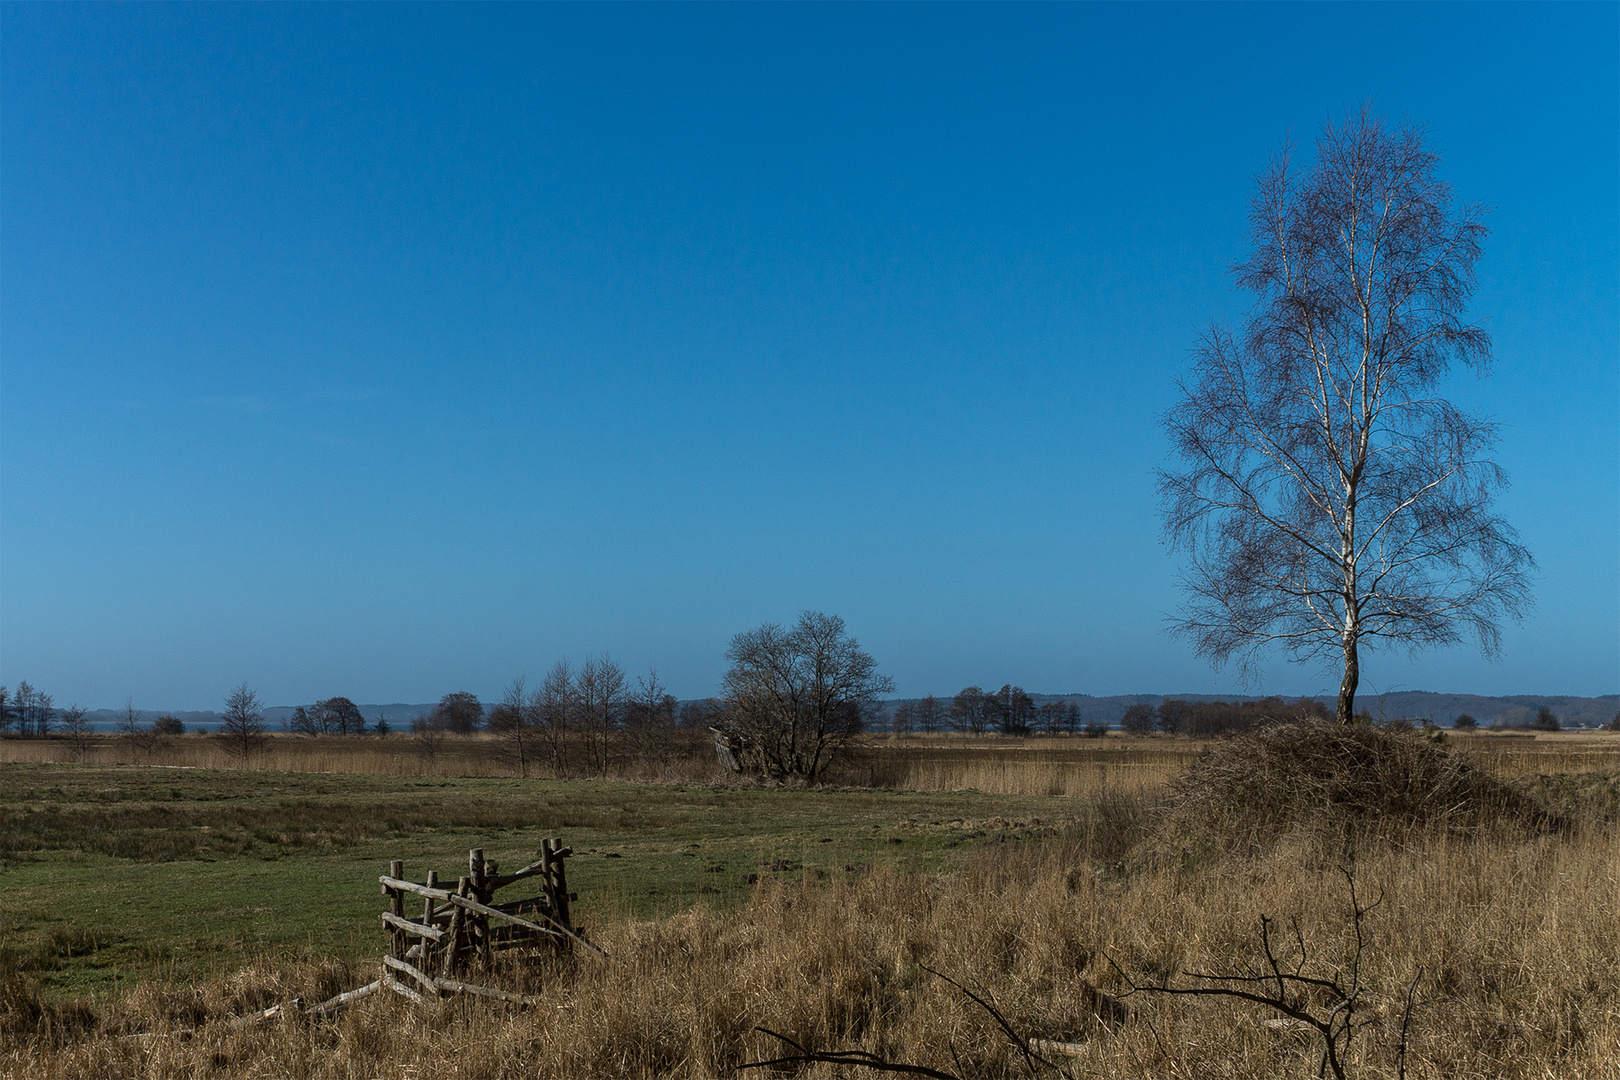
(1330, 501)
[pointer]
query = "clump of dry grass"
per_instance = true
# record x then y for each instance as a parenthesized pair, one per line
(1344, 782)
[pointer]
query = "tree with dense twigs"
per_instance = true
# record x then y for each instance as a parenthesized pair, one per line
(1329, 500)
(796, 697)
(241, 725)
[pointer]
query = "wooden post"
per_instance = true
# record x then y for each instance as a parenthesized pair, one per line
(452, 952)
(396, 905)
(560, 877)
(427, 919)
(548, 881)
(480, 923)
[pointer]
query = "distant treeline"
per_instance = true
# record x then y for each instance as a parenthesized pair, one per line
(31, 712)
(1039, 713)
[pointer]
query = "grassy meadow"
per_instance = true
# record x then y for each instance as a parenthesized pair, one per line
(145, 904)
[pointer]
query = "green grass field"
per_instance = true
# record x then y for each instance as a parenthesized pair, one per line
(114, 874)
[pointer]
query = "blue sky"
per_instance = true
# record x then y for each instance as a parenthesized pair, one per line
(391, 350)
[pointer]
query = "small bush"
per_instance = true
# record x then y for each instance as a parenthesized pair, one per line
(1349, 781)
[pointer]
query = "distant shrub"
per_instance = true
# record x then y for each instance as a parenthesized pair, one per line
(1139, 719)
(1224, 717)
(169, 725)
(1546, 721)
(1096, 731)
(1465, 722)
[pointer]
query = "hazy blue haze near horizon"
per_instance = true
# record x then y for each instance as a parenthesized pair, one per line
(385, 351)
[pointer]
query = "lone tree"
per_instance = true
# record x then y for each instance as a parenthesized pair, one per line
(1330, 501)
(241, 725)
(795, 698)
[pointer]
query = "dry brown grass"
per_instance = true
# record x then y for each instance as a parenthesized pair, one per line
(1518, 943)
(395, 755)
(1517, 936)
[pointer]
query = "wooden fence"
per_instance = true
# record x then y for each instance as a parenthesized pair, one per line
(461, 929)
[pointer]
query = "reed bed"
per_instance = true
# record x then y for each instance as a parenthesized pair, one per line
(1072, 767)
(1064, 766)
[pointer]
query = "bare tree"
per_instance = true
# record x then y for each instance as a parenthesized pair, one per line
(142, 740)
(337, 714)
(427, 736)
(460, 713)
(795, 698)
(553, 704)
(1010, 709)
(302, 723)
(970, 710)
(1138, 719)
(513, 720)
(241, 725)
(76, 726)
(599, 700)
(929, 714)
(44, 713)
(32, 710)
(649, 720)
(1330, 501)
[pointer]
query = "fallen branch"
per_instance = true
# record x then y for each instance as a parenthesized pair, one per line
(805, 1056)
